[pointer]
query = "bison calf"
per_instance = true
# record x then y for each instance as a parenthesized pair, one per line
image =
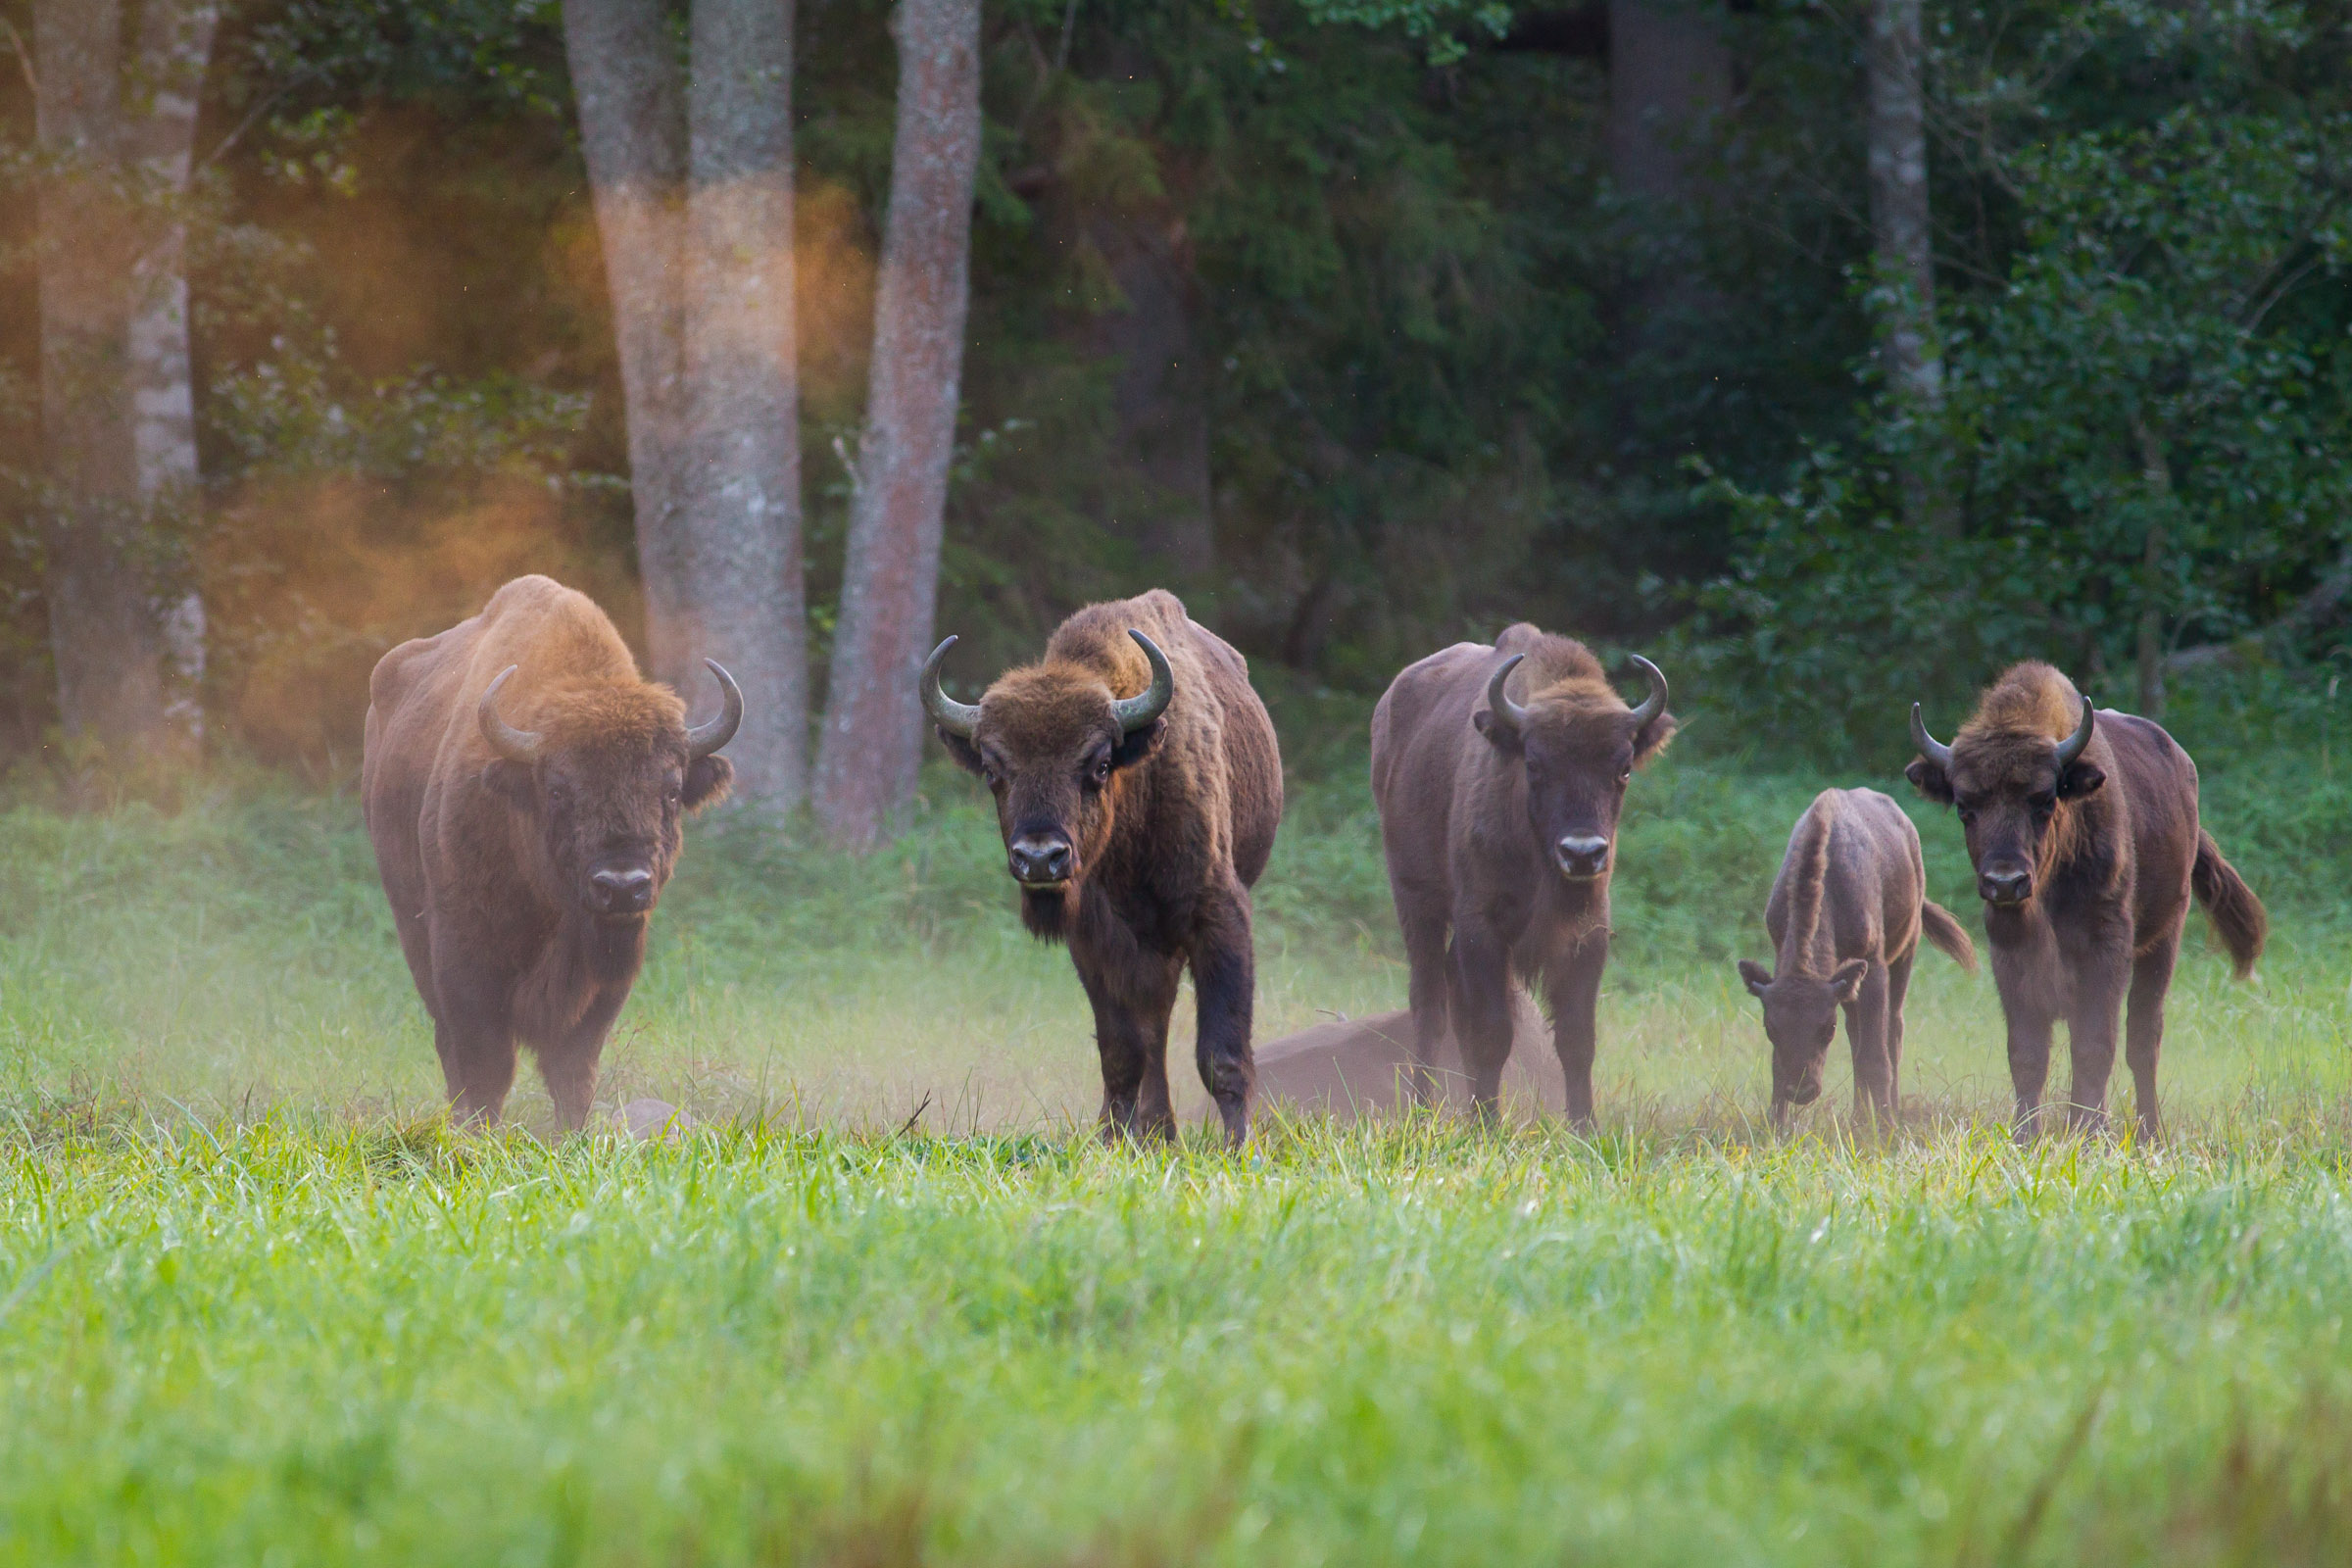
(2082, 828)
(1138, 789)
(1846, 917)
(524, 789)
(1499, 817)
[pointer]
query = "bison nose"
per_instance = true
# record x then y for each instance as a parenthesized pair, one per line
(1581, 857)
(1806, 1092)
(2005, 887)
(1039, 860)
(629, 892)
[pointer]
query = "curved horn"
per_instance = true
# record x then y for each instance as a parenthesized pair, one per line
(1655, 703)
(1509, 714)
(515, 745)
(956, 718)
(1133, 713)
(1934, 750)
(2071, 746)
(703, 739)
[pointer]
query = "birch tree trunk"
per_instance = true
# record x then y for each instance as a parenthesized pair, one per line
(890, 588)
(173, 51)
(691, 169)
(1898, 195)
(1904, 243)
(627, 82)
(741, 488)
(101, 631)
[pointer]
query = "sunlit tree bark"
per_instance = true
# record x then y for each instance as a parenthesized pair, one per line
(691, 167)
(1904, 243)
(872, 738)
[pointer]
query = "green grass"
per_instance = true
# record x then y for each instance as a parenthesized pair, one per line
(257, 1305)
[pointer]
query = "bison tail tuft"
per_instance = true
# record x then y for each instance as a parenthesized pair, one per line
(1939, 926)
(2236, 914)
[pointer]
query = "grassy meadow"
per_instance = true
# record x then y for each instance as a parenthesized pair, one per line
(891, 1303)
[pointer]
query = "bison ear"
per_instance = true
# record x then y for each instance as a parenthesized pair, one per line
(517, 783)
(1846, 981)
(1651, 738)
(1756, 976)
(1930, 780)
(965, 753)
(2081, 779)
(1140, 744)
(1505, 739)
(708, 782)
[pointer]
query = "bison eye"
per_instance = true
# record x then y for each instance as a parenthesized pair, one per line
(1098, 772)
(557, 795)
(1625, 778)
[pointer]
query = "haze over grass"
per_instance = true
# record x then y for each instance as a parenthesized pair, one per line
(257, 1303)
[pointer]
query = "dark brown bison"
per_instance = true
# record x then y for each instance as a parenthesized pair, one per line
(1499, 817)
(524, 789)
(1845, 917)
(2083, 833)
(1138, 789)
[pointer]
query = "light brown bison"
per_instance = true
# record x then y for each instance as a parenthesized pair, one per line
(2083, 829)
(1138, 789)
(1499, 819)
(524, 789)
(1845, 917)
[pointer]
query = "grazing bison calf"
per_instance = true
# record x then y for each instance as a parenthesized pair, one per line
(524, 789)
(1138, 789)
(2083, 832)
(1846, 917)
(1499, 819)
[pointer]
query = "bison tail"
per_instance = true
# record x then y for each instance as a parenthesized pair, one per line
(1938, 924)
(2236, 914)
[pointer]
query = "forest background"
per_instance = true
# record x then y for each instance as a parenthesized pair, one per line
(1366, 328)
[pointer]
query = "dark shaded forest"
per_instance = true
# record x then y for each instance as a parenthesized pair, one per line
(1364, 330)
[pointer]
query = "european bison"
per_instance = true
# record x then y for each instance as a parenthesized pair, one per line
(1499, 817)
(1138, 789)
(1846, 917)
(525, 788)
(2083, 833)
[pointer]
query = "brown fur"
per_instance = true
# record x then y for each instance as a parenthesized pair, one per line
(1165, 847)
(487, 869)
(1845, 917)
(2110, 853)
(1470, 844)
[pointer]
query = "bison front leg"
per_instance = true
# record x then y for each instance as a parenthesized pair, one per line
(1225, 986)
(1424, 993)
(474, 1034)
(572, 1063)
(2090, 1030)
(1132, 992)
(1575, 987)
(1482, 1012)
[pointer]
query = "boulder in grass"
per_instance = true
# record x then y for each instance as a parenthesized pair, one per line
(1358, 1066)
(655, 1121)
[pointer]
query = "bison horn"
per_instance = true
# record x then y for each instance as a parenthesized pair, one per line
(1655, 703)
(515, 745)
(2071, 746)
(1133, 713)
(956, 718)
(703, 739)
(1509, 714)
(1934, 750)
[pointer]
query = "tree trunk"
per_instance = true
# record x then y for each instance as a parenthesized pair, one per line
(741, 485)
(1669, 70)
(627, 79)
(2156, 473)
(1904, 262)
(1898, 197)
(872, 738)
(101, 631)
(173, 50)
(1161, 395)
